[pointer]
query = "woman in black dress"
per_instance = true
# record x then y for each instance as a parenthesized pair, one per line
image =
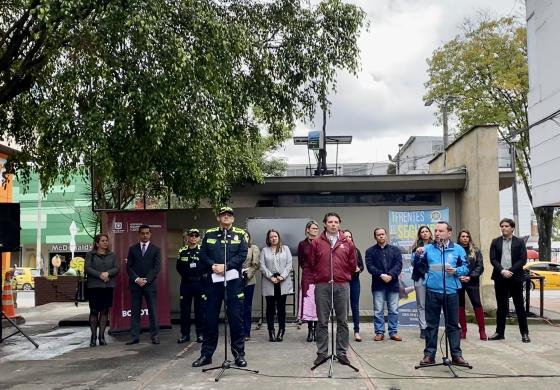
(101, 269)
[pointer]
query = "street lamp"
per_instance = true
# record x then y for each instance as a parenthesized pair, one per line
(444, 104)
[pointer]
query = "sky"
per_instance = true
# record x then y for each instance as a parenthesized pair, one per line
(383, 106)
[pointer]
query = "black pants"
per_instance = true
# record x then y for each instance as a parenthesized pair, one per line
(504, 288)
(151, 302)
(474, 295)
(192, 291)
(276, 304)
(234, 302)
(434, 304)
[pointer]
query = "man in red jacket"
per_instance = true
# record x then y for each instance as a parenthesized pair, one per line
(331, 249)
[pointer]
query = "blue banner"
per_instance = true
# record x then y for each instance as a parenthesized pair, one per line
(403, 230)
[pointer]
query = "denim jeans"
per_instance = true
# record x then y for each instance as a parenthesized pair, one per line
(355, 301)
(392, 299)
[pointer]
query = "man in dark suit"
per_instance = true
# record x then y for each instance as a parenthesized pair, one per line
(508, 255)
(143, 265)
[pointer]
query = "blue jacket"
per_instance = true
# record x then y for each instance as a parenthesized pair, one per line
(213, 245)
(454, 255)
(387, 260)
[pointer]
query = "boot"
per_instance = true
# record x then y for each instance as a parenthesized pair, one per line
(271, 336)
(310, 332)
(93, 341)
(463, 322)
(314, 330)
(280, 335)
(102, 338)
(479, 315)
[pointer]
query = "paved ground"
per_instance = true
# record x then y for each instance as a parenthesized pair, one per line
(64, 361)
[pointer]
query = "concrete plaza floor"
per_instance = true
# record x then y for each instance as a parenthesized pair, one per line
(65, 361)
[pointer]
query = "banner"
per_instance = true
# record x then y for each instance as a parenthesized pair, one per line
(122, 227)
(403, 230)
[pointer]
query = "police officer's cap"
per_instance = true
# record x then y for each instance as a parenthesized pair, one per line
(225, 210)
(193, 231)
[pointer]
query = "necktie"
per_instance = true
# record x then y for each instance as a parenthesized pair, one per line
(143, 249)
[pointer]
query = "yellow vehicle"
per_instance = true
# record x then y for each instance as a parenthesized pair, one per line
(24, 278)
(550, 271)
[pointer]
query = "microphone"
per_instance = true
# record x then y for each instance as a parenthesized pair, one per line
(440, 243)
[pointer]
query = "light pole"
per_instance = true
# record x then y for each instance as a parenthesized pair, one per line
(444, 104)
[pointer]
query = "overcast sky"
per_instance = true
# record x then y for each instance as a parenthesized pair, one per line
(383, 106)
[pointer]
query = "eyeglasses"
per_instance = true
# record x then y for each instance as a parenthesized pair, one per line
(194, 235)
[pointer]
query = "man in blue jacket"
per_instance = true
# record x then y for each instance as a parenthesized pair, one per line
(384, 263)
(442, 259)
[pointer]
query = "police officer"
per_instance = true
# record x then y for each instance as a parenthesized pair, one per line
(229, 242)
(190, 269)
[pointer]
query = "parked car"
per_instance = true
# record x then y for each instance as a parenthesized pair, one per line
(24, 278)
(550, 271)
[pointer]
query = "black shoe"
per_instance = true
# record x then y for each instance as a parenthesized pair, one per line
(155, 340)
(343, 359)
(93, 341)
(525, 338)
(496, 336)
(133, 341)
(271, 335)
(203, 360)
(240, 361)
(280, 335)
(199, 339)
(102, 340)
(183, 339)
(310, 335)
(321, 357)
(422, 333)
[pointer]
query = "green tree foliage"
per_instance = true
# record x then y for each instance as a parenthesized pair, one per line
(483, 75)
(160, 96)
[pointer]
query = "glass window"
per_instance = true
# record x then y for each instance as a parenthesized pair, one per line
(361, 199)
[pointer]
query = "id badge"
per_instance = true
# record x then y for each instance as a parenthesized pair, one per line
(192, 265)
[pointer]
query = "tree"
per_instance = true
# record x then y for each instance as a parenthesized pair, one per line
(483, 75)
(166, 96)
(556, 225)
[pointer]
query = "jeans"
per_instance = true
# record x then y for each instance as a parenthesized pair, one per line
(392, 299)
(248, 309)
(434, 304)
(355, 301)
(341, 294)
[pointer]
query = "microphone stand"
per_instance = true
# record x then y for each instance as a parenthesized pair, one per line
(446, 362)
(332, 357)
(226, 364)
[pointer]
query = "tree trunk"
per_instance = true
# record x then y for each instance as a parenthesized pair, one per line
(544, 217)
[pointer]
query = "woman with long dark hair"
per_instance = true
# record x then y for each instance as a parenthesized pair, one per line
(101, 268)
(355, 289)
(471, 285)
(423, 238)
(276, 267)
(307, 310)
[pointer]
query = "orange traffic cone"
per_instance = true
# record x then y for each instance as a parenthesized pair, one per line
(8, 300)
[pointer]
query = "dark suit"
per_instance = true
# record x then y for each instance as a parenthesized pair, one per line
(513, 286)
(148, 267)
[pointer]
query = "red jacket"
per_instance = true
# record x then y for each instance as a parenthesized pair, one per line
(343, 255)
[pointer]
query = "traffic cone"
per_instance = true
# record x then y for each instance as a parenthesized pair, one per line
(8, 300)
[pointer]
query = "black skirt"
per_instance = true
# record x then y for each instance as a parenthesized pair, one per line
(100, 298)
